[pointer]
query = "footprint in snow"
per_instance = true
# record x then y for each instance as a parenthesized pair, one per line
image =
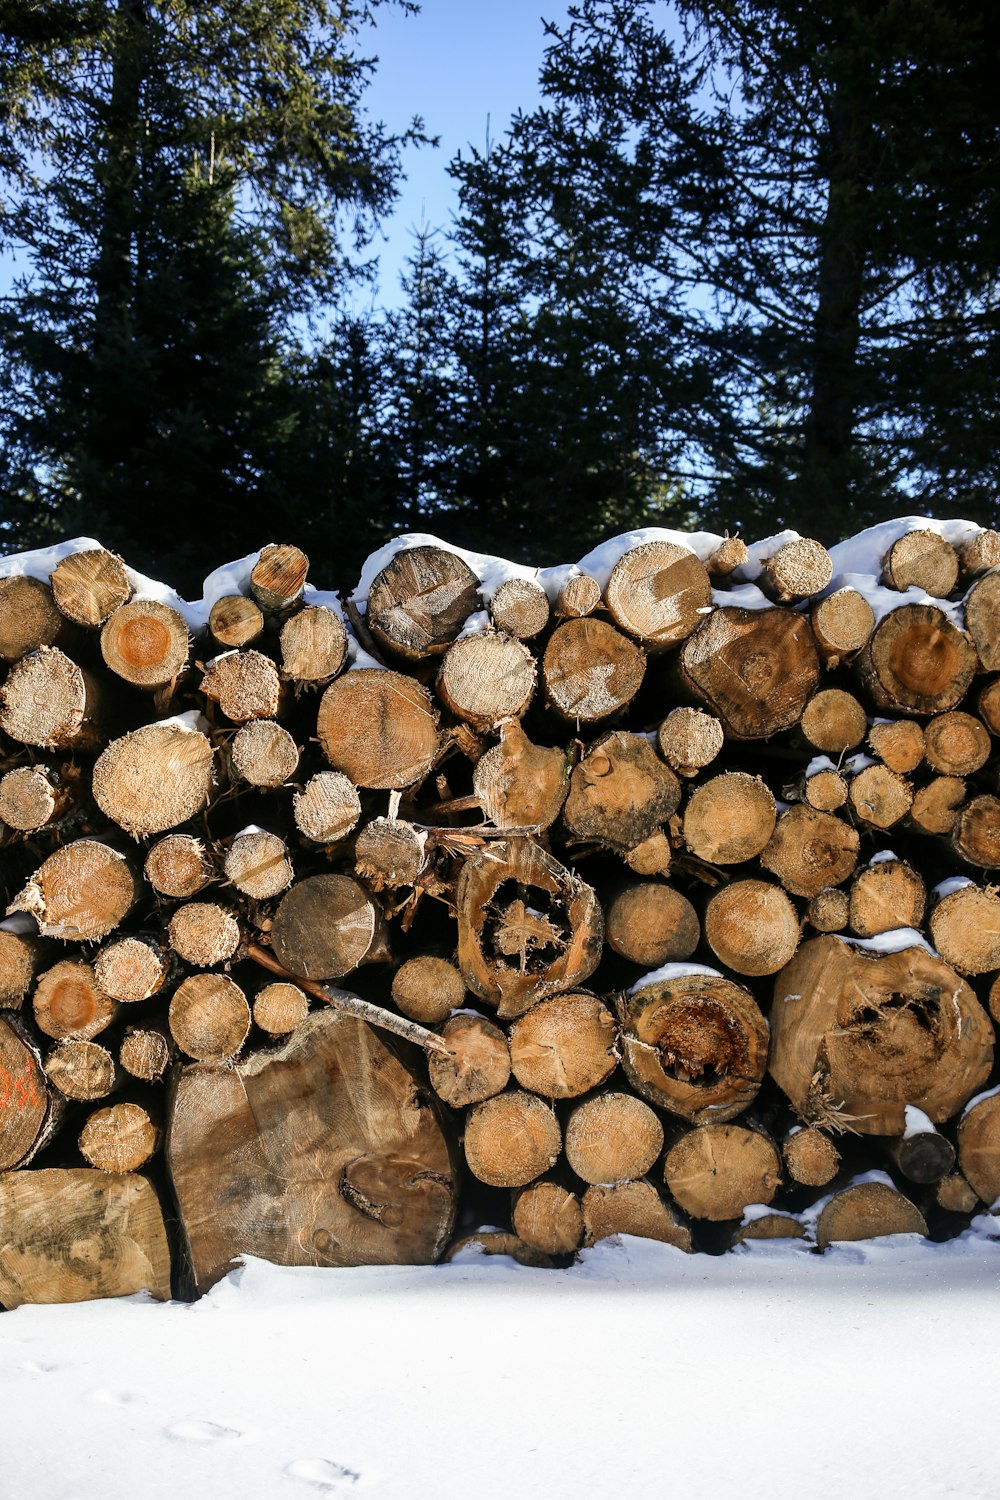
(34, 1367)
(201, 1432)
(112, 1398)
(321, 1473)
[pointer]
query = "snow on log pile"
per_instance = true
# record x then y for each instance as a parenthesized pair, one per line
(650, 895)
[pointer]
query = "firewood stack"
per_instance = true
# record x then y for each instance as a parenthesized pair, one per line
(647, 895)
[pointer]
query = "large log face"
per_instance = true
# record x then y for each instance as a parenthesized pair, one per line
(755, 669)
(323, 1152)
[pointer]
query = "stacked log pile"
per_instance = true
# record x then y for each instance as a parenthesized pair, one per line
(647, 895)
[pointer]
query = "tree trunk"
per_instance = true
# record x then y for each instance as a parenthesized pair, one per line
(29, 618)
(121, 1138)
(209, 1017)
(313, 645)
(591, 670)
(324, 927)
(518, 784)
(917, 661)
(548, 1217)
(146, 644)
(923, 560)
(178, 867)
(752, 927)
(378, 727)
(632, 1208)
(486, 678)
(278, 577)
(511, 1139)
(50, 702)
(28, 1113)
(245, 685)
(477, 1064)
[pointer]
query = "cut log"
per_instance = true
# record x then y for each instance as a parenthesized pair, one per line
(313, 645)
(324, 927)
(27, 1115)
(564, 1046)
(833, 721)
(245, 685)
(898, 743)
(477, 1064)
(419, 602)
(69, 1004)
(154, 778)
(378, 728)
(390, 853)
(518, 784)
(612, 1137)
(654, 856)
(511, 1139)
(886, 895)
(857, 1035)
(620, 792)
(651, 924)
(257, 864)
(879, 796)
(730, 554)
(716, 1171)
(278, 577)
(810, 850)
(146, 643)
(829, 910)
(209, 1017)
(120, 1138)
(842, 624)
(867, 1211)
(22, 955)
(689, 740)
(29, 618)
(264, 754)
(327, 807)
(547, 1216)
(923, 1155)
(632, 1208)
(34, 797)
(278, 1008)
(811, 1158)
(658, 592)
(578, 597)
(764, 1226)
(988, 706)
(936, 805)
(917, 661)
(235, 621)
(965, 929)
(527, 927)
(146, 1052)
(752, 927)
(695, 1044)
(486, 678)
(591, 670)
(954, 1195)
(980, 553)
(69, 1235)
(979, 1147)
(427, 989)
(178, 866)
(825, 790)
(520, 608)
(982, 620)
(923, 560)
(729, 818)
(89, 586)
(49, 701)
(754, 668)
(131, 968)
(956, 744)
(83, 1071)
(975, 834)
(204, 933)
(798, 570)
(80, 893)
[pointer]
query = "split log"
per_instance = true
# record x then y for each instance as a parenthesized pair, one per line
(80, 893)
(651, 924)
(313, 644)
(209, 1017)
(689, 740)
(258, 865)
(28, 1115)
(620, 792)
(729, 818)
(29, 618)
(378, 728)
(477, 1063)
(980, 553)
(264, 754)
(390, 853)
(204, 933)
(578, 597)
(278, 577)
(50, 702)
(829, 910)
(485, 678)
(83, 1071)
(842, 624)
(922, 1154)
(35, 797)
(811, 1158)
(245, 685)
(278, 1008)
(154, 778)
(917, 661)
(89, 586)
(867, 1211)
(810, 851)
(965, 929)
(69, 1003)
(511, 1139)
(982, 620)
(885, 895)
(235, 621)
(178, 866)
(69, 1235)
(427, 989)
(548, 1217)
(833, 721)
(898, 743)
(798, 570)
(520, 608)
(658, 592)
(564, 1046)
(327, 807)
(695, 1044)
(518, 784)
(22, 955)
(324, 927)
(752, 927)
(755, 669)
(923, 560)
(120, 1138)
(937, 805)
(979, 1147)
(131, 968)
(730, 554)
(954, 1195)
(146, 1052)
(632, 1208)
(527, 927)
(975, 834)
(612, 1137)
(956, 744)
(857, 1035)
(715, 1171)
(591, 670)
(879, 796)
(419, 602)
(146, 643)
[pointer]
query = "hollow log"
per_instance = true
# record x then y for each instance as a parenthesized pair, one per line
(651, 924)
(917, 661)
(965, 929)
(28, 1112)
(518, 784)
(548, 1216)
(29, 618)
(898, 743)
(658, 592)
(119, 1138)
(313, 644)
(810, 851)
(324, 927)
(620, 792)
(715, 1171)
(636, 1208)
(427, 989)
(755, 669)
(564, 1046)
(833, 721)
(89, 586)
(921, 559)
(486, 678)
(752, 927)
(178, 866)
(378, 728)
(257, 863)
(235, 621)
(48, 701)
(886, 895)
(245, 685)
(154, 778)
(419, 602)
(729, 818)
(520, 608)
(83, 1071)
(511, 1139)
(612, 1137)
(842, 624)
(477, 1064)
(591, 670)
(811, 1158)
(975, 834)
(80, 893)
(209, 1017)
(867, 1211)
(146, 643)
(278, 577)
(69, 1003)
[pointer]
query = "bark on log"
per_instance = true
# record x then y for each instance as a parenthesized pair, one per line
(29, 618)
(979, 1147)
(833, 721)
(154, 778)
(378, 728)
(658, 592)
(477, 1064)
(146, 643)
(204, 933)
(278, 1008)
(28, 1115)
(886, 895)
(689, 740)
(486, 678)
(419, 602)
(988, 706)
(547, 1216)
(620, 792)
(752, 927)
(209, 1017)
(715, 1171)
(965, 929)
(324, 927)
(564, 1046)
(235, 621)
(729, 818)
(811, 1158)
(923, 560)
(257, 864)
(327, 808)
(245, 685)
(898, 743)
(975, 834)
(632, 1208)
(982, 620)
(69, 1003)
(956, 744)
(278, 577)
(511, 1139)
(80, 893)
(520, 608)
(591, 670)
(867, 1211)
(83, 1071)
(518, 784)
(842, 624)
(612, 1137)
(917, 661)
(651, 924)
(755, 669)
(120, 1138)
(264, 754)
(89, 586)
(50, 702)
(178, 866)
(313, 645)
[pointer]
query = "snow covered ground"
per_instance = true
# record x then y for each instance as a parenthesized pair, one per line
(870, 1371)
